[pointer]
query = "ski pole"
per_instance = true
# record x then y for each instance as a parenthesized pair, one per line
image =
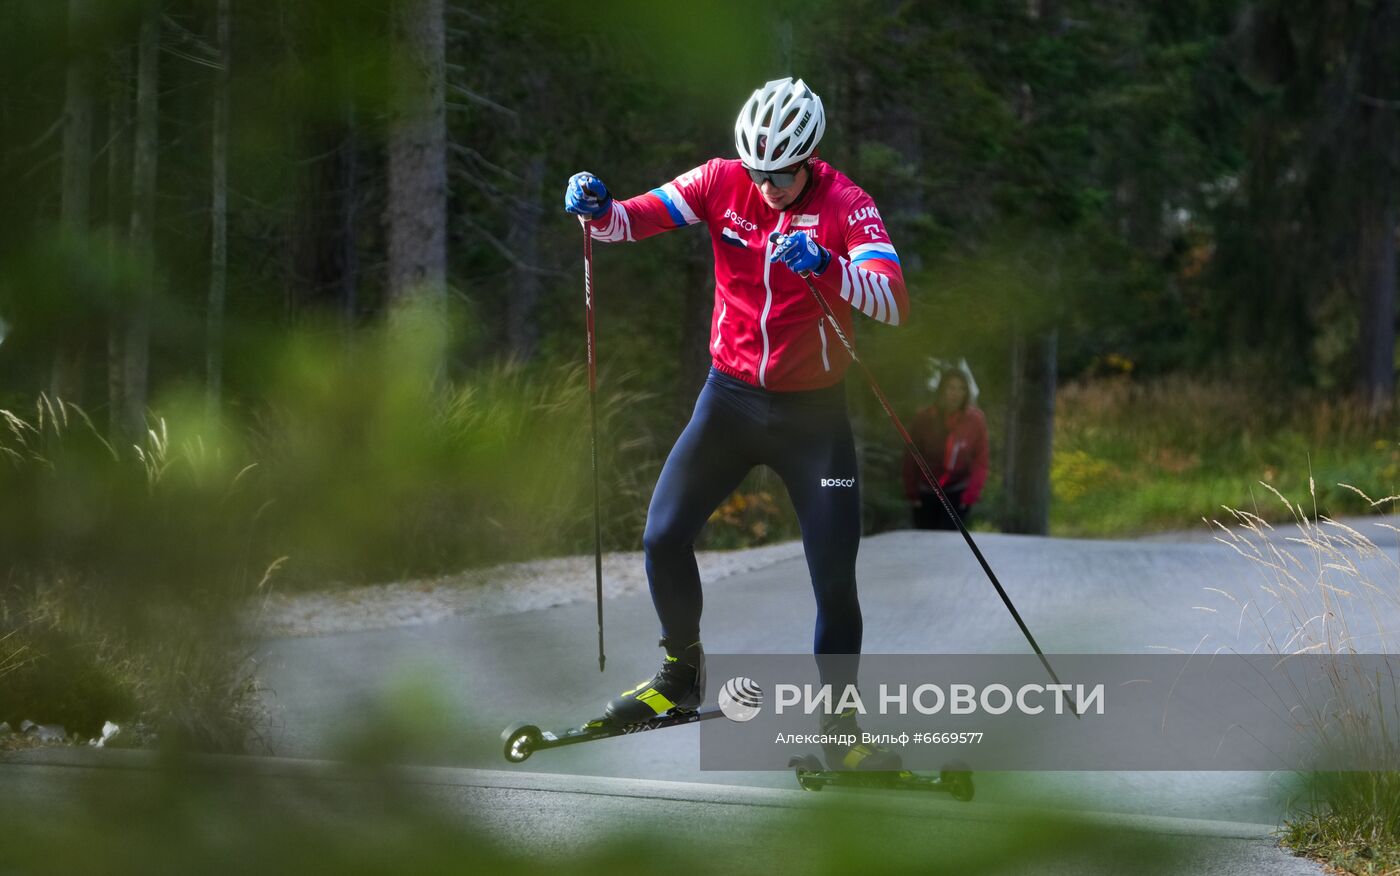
(927, 472)
(593, 429)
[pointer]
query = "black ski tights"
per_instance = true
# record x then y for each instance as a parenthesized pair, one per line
(803, 436)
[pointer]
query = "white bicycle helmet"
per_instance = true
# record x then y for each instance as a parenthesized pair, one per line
(780, 125)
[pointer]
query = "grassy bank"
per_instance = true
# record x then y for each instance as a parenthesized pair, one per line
(1355, 837)
(1140, 457)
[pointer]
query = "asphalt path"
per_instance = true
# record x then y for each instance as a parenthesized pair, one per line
(921, 592)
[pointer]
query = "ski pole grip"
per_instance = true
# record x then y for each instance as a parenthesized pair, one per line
(773, 238)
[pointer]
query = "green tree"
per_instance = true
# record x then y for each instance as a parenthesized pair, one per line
(1316, 216)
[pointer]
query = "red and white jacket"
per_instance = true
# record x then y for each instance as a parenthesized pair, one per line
(766, 329)
(954, 445)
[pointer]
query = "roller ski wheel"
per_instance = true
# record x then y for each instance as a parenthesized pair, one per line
(522, 740)
(958, 778)
(808, 770)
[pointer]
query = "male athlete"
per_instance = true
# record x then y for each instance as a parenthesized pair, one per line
(774, 395)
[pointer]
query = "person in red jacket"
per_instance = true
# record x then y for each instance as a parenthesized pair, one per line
(952, 436)
(778, 217)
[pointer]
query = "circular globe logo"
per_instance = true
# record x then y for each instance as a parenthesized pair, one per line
(741, 699)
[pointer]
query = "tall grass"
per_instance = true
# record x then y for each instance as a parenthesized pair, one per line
(1328, 590)
(122, 570)
(13, 653)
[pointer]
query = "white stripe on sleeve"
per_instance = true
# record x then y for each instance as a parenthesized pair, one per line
(869, 292)
(851, 288)
(878, 294)
(871, 305)
(889, 296)
(679, 202)
(618, 227)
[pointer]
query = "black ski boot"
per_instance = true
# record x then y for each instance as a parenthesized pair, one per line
(678, 684)
(854, 755)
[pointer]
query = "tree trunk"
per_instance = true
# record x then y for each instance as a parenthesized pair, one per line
(118, 181)
(323, 254)
(65, 380)
(522, 330)
(417, 211)
(218, 216)
(1378, 278)
(1030, 433)
(136, 349)
(77, 133)
(1380, 169)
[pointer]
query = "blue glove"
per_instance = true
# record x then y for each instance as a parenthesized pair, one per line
(587, 196)
(799, 252)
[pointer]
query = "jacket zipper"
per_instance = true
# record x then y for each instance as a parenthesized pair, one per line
(767, 304)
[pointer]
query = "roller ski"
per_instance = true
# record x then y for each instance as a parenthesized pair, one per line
(855, 764)
(669, 698)
(812, 775)
(523, 740)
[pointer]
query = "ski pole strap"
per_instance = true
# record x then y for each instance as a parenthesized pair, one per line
(928, 475)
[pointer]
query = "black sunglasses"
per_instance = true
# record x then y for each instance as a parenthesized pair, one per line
(780, 178)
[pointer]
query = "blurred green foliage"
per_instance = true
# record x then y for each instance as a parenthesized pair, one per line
(221, 817)
(131, 571)
(123, 571)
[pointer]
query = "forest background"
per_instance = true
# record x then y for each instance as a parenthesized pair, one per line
(310, 257)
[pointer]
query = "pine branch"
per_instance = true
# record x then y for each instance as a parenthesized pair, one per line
(455, 9)
(510, 256)
(493, 190)
(1378, 102)
(480, 100)
(186, 56)
(476, 156)
(189, 37)
(44, 137)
